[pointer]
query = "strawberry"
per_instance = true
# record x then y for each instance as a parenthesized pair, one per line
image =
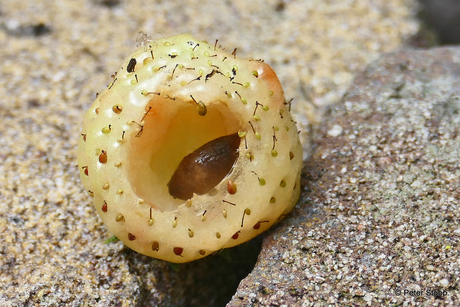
(190, 150)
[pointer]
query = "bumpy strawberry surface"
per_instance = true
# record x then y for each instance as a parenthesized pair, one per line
(170, 97)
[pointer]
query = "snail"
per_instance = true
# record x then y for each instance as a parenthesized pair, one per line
(204, 168)
(189, 150)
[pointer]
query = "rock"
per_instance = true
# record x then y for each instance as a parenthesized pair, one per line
(379, 211)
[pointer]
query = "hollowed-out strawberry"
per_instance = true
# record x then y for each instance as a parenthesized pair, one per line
(189, 150)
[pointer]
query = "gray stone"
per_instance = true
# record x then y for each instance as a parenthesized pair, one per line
(379, 210)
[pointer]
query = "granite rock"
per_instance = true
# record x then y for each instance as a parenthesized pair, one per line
(57, 55)
(379, 212)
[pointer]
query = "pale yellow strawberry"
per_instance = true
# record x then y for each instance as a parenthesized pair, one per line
(171, 97)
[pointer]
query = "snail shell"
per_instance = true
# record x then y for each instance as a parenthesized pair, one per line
(190, 150)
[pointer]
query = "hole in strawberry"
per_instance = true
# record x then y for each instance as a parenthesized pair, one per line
(174, 134)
